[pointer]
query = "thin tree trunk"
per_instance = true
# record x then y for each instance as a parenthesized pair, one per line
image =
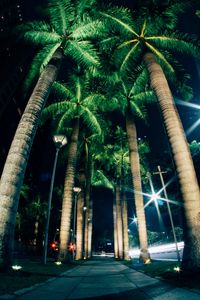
(87, 203)
(87, 198)
(90, 205)
(67, 196)
(116, 252)
(125, 226)
(119, 222)
(137, 186)
(79, 224)
(184, 165)
(16, 162)
(90, 228)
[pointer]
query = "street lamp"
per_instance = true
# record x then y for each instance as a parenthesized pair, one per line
(76, 190)
(60, 140)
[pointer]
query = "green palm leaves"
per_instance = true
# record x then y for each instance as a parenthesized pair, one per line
(138, 37)
(65, 29)
(74, 102)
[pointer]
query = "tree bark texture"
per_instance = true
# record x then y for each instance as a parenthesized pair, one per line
(125, 226)
(137, 186)
(16, 162)
(119, 222)
(68, 195)
(116, 252)
(183, 161)
(79, 225)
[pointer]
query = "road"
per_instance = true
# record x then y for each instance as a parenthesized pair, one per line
(161, 252)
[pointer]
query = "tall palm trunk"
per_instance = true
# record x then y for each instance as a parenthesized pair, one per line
(87, 198)
(119, 222)
(116, 252)
(136, 179)
(79, 224)
(16, 162)
(87, 203)
(125, 225)
(90, 227)
(184, 165)
(67, 196)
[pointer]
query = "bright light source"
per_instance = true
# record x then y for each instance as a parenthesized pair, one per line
(58, 263)
(154, 196)
(148, 261)
(84, 208)
(60, 140)
(177, 269)
(16, 267)
(76, 189)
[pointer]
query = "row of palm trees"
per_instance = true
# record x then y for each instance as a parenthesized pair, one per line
(131, 68)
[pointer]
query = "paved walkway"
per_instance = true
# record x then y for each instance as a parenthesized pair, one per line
(105, 279)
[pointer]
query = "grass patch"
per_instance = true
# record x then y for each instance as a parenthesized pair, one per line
(32, 272)
(166, 270)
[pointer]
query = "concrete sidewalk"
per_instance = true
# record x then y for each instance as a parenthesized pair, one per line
(104, 278)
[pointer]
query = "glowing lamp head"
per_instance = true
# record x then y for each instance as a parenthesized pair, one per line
(177, 269)
(154, 197)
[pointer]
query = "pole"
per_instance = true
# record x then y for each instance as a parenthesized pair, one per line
(169, 211)
(74, 223)
(49, 206)
(160, 220)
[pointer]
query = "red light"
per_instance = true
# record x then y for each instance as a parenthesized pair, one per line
(53, 245)
(71, 247)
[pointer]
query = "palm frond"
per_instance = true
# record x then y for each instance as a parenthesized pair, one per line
(39, 62)
(161, 57)
(41, 37)
(93, 100)
(89, 120)
(174, 43)
(32, 26)
(99, 179)
(140, 83)
(66, 117)
(84, 5)
(174, 10)
(144, 98)
(87, 29)
(61, 91)
(83, 53)
(127, 57)
(138, 110)
(55, 109)
(61, 13)
(120, 17)
(52, 50)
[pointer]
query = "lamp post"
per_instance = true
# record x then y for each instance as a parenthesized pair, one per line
(60, 140)
(76, 191)
(169, 211)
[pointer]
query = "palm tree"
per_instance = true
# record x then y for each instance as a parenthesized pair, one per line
(64, 34)
(150, 44)
(130, 98)
(80, 221)
(77, 111)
